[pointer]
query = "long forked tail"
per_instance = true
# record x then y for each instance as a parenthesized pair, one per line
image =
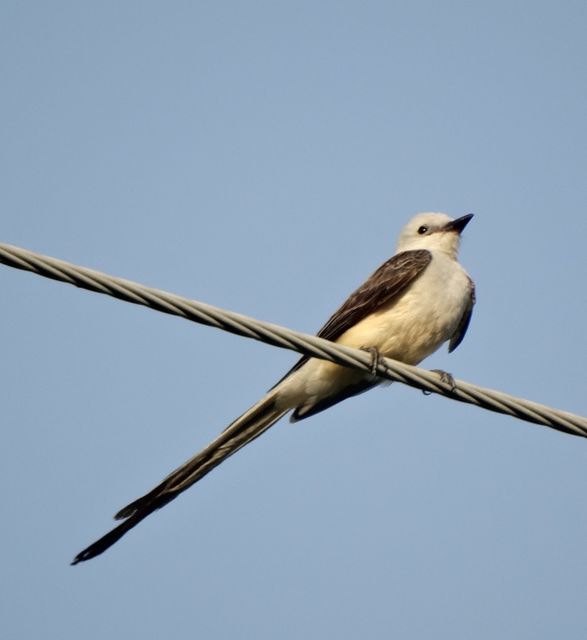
(243, 430)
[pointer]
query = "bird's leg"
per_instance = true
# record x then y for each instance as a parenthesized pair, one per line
(446, 378)
(375, 358)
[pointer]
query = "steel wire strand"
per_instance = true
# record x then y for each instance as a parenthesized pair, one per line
(428, 381)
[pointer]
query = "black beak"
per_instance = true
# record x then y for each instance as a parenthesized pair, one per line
(459, 224)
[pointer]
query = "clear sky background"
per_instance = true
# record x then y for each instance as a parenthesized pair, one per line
(262, 156)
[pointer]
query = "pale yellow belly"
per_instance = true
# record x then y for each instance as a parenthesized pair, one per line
(414, 326)
(409, 330)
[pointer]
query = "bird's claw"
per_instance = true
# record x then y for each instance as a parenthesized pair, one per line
(375, 358)
(446, 378)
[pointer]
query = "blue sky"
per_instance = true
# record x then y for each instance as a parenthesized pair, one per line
(263, 156)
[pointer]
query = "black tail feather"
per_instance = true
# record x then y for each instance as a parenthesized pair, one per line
(242, 431)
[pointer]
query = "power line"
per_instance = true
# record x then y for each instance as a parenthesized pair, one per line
(276, 335)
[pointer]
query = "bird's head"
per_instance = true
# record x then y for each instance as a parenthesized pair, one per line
(433, 231)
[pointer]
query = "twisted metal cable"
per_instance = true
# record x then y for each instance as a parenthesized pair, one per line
(428, 381)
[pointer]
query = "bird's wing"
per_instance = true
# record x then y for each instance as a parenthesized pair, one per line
(463, 325)
(388, 282)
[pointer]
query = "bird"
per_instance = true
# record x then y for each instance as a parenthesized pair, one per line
(412, 304)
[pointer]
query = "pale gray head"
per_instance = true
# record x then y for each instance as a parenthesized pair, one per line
(433, 231)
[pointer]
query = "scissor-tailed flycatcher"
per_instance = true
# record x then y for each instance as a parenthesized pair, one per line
(417, 300)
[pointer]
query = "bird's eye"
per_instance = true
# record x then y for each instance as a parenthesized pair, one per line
(422, 230)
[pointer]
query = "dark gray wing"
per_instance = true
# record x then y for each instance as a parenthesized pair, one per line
(459, 334)
(389, 281)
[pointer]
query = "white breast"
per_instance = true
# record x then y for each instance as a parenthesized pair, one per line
(408, 329)
(422, 319)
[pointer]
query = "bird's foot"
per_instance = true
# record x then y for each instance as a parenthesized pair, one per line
(375, 358)
(446, 378)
